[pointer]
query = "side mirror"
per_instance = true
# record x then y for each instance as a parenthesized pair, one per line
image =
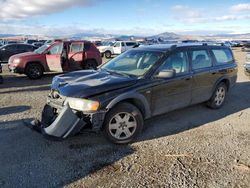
(47, 52)
(167, 73)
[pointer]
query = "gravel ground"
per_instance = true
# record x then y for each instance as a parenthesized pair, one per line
(192, 147)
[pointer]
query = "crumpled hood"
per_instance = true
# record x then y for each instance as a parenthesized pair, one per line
(83, 84)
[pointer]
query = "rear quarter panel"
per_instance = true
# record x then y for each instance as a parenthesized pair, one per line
(93, 53)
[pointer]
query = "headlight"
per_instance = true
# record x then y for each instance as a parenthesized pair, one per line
(101, 50)
(16, 61)
(83, 104)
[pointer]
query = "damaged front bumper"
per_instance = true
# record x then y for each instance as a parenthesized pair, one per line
(61, 122)
(66, 124)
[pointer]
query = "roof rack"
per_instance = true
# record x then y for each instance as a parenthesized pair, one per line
(173, 47)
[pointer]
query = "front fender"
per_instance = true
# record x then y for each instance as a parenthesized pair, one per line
(135, 96)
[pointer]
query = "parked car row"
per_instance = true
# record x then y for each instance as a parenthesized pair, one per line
(246, 47)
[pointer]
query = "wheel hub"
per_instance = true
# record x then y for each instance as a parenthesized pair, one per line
(122, 125)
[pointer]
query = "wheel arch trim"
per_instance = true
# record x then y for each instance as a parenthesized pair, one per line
(132, 96)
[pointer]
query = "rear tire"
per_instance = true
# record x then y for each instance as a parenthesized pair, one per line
(123, 123)
(34, 71)
(108, 54)
(219, 96)
(90, 64)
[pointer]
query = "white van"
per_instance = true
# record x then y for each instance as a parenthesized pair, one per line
(117, 48)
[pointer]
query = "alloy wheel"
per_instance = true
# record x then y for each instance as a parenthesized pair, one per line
(122, 126)
(220, 96)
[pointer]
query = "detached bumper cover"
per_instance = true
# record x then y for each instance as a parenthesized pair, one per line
(65, 125)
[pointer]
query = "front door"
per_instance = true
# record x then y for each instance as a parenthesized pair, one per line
(117, 48)
(53, 57)
(173, 93)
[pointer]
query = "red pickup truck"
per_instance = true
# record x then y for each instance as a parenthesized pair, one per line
(56, 57)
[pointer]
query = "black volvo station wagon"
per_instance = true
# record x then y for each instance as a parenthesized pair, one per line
(137, 85)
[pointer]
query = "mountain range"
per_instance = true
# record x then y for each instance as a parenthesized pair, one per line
(164, 36)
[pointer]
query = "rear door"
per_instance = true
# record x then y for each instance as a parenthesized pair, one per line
(173, 93)
(203, 79)
(76, 55)
(224, 64)
(53, 57)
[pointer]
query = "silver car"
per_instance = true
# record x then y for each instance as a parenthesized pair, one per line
(247, 65)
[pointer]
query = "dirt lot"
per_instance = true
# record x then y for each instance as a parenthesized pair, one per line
(192, 147)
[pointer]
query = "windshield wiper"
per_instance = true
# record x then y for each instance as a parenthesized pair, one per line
(117, 73)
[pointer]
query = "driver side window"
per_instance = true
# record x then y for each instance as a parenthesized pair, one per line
(118, 44)
(178, 62)
(56, 49)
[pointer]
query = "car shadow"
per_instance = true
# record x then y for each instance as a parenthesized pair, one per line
(191, 117)
(28, 159)
(13, 109)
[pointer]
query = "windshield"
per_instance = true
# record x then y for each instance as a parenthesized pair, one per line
(41, 49)
(107, 43)
(133, 62)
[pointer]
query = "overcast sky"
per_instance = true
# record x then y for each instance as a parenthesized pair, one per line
(138, 17)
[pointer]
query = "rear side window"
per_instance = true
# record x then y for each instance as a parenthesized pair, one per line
(87, 46)
(200, 59)
(25, 47)
(11, 47)
(223, 56)
(130, 43)
(78, 47)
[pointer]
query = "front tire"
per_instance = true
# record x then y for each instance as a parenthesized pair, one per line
(219, 96)
(108, 54)
(34, 71)
(123, 123)
(90, 64)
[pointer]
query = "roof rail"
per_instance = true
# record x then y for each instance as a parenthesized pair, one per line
(173, 47)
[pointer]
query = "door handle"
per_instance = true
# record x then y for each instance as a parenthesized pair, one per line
(187, 78)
